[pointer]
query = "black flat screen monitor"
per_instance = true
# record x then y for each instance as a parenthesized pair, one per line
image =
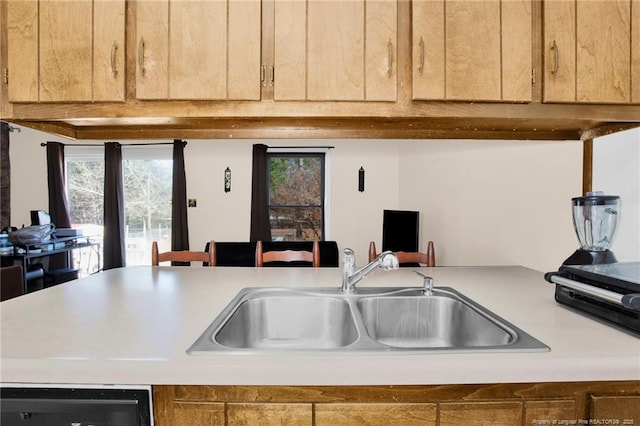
(40, 217)
(400, 230)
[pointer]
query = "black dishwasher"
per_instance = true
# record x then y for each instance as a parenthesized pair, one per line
(75, 406)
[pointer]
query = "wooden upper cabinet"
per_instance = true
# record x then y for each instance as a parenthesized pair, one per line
(335, 51)
(591, 51)
(66, 51)
(472, 50)
(198, 50)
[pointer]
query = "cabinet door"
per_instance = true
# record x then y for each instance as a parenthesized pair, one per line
(188, 413)
(289, 51)
(603, 51)
(198, 50)
(481, 413)
(335, 51)
(624, 409)
(595, 62)
(472, 50)
(381, 50)
(152, 67)
(22, 51)
(549, 412)
(391, 414)
(108, 50)
(65, 50)
(248, 414)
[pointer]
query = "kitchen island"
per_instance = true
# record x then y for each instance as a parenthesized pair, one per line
(133, 326)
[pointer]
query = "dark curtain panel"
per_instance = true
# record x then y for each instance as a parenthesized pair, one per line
(260, 225)
(113, 245)
(58, 204)
(5, 177)
(179, 225)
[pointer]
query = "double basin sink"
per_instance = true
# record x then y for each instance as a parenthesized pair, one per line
(382, 319)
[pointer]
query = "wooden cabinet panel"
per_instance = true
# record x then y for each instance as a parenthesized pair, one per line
(549, 412)
(290, 44)
(198, 413)
(240, 414)
(65, 50)
(108, 51)
(560, 51)
(152, 72)
(381, 50)
(624, 409)
(398, 414)
(516, 50)
(198, 50)
(335, 50)
(244, 46)
(602, 53)
(481, 413)
(595, 62)
(428, 49)
(22, 50)
(472, 50)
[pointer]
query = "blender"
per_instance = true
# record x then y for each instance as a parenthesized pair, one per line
(595, 218)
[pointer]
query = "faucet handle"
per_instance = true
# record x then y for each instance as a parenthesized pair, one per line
(349, 260)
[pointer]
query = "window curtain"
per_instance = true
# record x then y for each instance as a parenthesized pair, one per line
(5, 177)
(114, 226)
(179, 225)
(58, 203)
(260, 226)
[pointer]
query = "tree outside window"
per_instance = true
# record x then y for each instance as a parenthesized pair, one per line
(147, 189)
(296, 196)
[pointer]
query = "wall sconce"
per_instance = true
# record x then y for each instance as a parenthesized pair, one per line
(227, 180)
(361, 179)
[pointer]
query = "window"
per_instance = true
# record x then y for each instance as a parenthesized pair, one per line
(296, 195)
(147, 193)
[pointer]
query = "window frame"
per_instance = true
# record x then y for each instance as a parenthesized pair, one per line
(298, 152)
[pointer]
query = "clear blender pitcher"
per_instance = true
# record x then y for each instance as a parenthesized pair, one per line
(595, 219)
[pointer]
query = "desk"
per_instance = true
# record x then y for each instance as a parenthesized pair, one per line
(24, 256)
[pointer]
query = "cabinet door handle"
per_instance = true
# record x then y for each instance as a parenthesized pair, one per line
(263, 75)
(272, 74)
(141, 56)
(114, 49)
(554, 65)
(421, 67)
(390, 59)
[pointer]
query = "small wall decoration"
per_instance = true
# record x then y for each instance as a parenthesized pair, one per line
(361, 179)
(227, 180)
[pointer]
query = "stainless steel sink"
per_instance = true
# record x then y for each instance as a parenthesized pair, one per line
(383, 319)
(431, 322)
(289, 322)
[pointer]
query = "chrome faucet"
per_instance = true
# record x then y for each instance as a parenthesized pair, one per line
(387, 260)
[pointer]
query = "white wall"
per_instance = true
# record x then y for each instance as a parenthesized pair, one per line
(493, 202)
(616, 171)
(482, 202)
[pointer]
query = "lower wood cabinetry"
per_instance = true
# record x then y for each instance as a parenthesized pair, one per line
(575, 403)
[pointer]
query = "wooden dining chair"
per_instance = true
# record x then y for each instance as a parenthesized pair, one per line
(428, 258)
(183, 255)
(263, 257)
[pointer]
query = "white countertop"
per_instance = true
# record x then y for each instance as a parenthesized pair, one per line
(133, 326)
